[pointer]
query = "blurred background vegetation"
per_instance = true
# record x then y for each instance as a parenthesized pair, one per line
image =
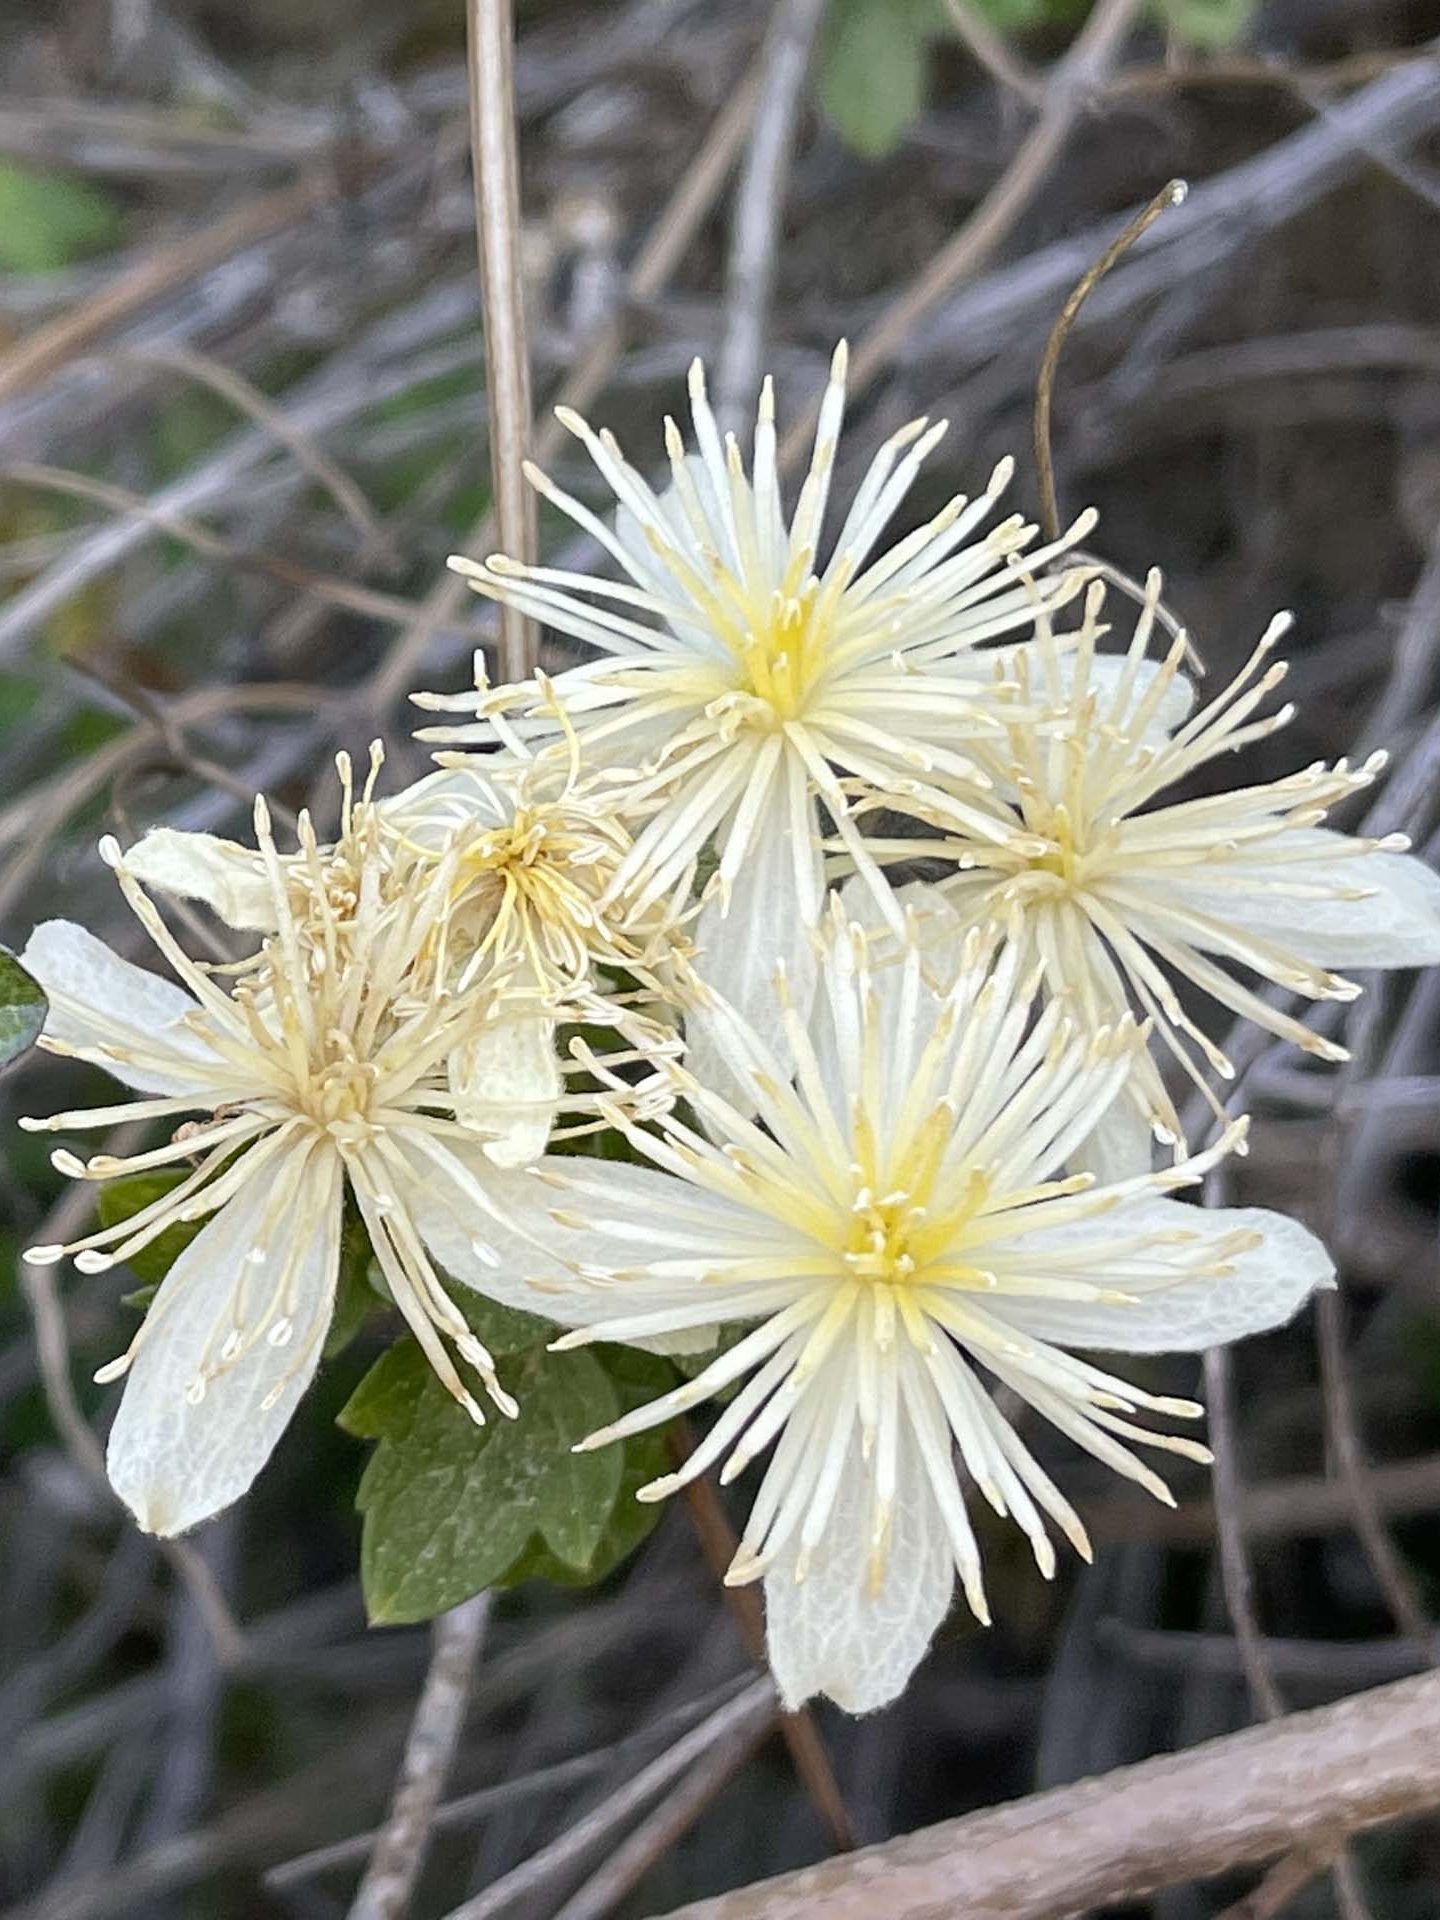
(242, 421)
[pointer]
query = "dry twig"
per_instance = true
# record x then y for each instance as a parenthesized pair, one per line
(657, 259)
(760, 206)
(496, 156)
(40, 353)
(1300, 1781)
(1285, 1879)
(1391, 1573)
(1279, 1509)
(660, 1830)
(1172, 194)
(466, 1808)
(394, 1871)
(1068, 90)
(752, 1708)
(1230, 1527)
(247, 398)
(338, 592)
(992, 51)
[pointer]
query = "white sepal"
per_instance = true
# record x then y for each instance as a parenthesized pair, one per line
(195, 1426)
(843, 1632)
(228, 878)
(126, 1019)
(1263, 1286)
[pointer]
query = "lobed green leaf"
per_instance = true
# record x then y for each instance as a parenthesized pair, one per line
(450, 1507)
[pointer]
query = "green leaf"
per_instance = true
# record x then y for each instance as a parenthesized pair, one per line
(448, 1506)
(637, 1378)
(504, 1330)
(118, 1200)
(872, 81)
(22, 1008)
(1207, 23)
(644, 1457)
(46, 220)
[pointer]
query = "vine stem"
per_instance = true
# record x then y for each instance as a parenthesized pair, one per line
(495, 150)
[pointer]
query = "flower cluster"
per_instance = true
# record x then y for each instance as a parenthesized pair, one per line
(890, 1144)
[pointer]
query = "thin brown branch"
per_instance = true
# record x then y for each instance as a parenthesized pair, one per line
(1230, 1527)
(1342, 1430)
(394, 1871)
(328, 587)
(991, 51)
(35, 818)
(1248, 70)
(147, 705)
(1235, 1572)
(695, 194)
(1170, 195)
(801, 1735)
(1297, 1783)
(753, 1709)
(659, 1831)
(248, 400)
(50, 346)
(1281, 1509)
(1235, 1576)
(1412, 659)
(1289, 1876)
(496, 158)
(1068, 90)
(760, 205)
(1331, 1666)
(467, 1808)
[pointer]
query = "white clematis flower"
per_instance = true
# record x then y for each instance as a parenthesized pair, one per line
(1122, 894)
(743, 674)
(529, 853)
(324, 1064)
(532, 851)
(894, 1229)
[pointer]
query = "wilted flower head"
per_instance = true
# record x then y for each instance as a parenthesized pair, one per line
(324, 1062)
(534, 847)
(897, 1227)
(1122, 894)
(741, 673)
(531, 850)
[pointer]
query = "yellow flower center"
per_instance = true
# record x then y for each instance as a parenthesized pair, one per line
(1062, 862)
(337, 1097)
(1067, 864)
(913, 1232)
(877, 1246)
(781, 654)
(519, 844)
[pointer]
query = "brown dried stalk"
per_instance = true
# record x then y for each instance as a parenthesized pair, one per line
(400, 1849)
(495, 147)
(1068, 91)
(1294, 1784)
